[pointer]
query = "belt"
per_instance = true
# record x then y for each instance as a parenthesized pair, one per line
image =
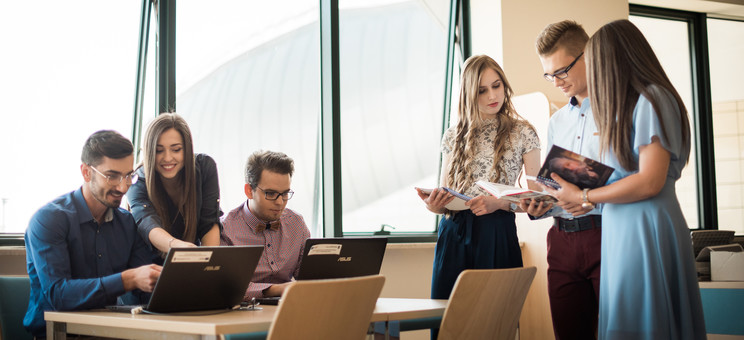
(578, 224)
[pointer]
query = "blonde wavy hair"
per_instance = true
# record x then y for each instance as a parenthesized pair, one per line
(459, 174)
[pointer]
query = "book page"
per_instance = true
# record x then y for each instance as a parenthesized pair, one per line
(514, 194)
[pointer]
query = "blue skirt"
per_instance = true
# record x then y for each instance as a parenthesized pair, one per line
(467, 241)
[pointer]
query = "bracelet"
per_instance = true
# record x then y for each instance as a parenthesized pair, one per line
(171, 241)
(585, 198)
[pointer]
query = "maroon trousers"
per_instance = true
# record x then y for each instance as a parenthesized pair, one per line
(573, 282)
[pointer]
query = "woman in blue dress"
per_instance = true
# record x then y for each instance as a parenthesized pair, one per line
(648, 283)
(490, 142)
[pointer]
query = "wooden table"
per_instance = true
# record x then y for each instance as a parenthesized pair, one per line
(104, 323)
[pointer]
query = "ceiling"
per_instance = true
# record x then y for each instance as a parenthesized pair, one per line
(715, 8)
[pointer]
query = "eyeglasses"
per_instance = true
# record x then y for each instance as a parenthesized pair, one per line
(562, 74)
(273, 195)
(117, 179)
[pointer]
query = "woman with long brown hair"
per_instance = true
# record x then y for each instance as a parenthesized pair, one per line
(648, 282)
(176, 200)
(490, 142)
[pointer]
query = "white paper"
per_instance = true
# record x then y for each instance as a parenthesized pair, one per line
(325, 249)
(192, 256)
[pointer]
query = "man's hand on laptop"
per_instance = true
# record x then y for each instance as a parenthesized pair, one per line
(142, 278)
(276, 289)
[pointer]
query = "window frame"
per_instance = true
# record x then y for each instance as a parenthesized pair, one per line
(139, 86)
(18, 239)
(458, 37)
(702, 110)
(330, 130)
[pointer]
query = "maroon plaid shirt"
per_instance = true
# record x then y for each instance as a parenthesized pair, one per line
(280, 260)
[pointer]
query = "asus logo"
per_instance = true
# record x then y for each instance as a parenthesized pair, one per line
(344, 259)
(211, 268)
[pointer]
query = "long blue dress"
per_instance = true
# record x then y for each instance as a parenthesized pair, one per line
(648, 283)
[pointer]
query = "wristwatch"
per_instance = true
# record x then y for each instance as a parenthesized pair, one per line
(585, 198)
(513, 207)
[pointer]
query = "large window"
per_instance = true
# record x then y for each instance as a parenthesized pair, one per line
(67, 70)
(727, 94)
(703, 59)
(248, 79)
(668, 38)
(392, 67)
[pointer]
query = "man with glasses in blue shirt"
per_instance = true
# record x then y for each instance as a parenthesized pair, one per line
(264, 220)
(82, 250)
(574, 242)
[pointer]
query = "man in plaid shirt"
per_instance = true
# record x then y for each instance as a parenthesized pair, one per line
(263, 219)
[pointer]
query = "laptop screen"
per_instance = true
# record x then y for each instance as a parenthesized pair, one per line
(332, 258)
(204, 278)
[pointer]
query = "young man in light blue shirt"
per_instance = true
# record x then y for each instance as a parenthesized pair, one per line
(574, 242)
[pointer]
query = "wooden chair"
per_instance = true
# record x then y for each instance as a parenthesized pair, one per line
(327, 309)
(14, 295)
(486, 304)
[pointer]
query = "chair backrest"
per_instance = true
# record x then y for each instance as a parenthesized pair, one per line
(14, 295)
(486, 304)
(327, 309)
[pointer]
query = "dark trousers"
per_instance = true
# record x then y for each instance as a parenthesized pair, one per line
(467, 241)
(573, 282)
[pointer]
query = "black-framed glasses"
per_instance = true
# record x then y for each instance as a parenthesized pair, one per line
(272, 195)
(562, 74)
(117, 179)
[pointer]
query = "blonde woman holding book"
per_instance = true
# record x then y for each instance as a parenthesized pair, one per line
(490, 142)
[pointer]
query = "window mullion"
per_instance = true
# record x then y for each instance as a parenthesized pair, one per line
(330, 119)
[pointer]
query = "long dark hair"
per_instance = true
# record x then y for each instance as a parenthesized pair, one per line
(155, 190)
(621, 66)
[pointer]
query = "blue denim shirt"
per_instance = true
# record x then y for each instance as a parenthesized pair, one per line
(73, 262)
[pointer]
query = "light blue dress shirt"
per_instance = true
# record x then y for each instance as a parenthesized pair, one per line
(573, 128)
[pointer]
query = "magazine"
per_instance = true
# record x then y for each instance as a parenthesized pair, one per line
(582, 171)
(515, 194)
(457, 204)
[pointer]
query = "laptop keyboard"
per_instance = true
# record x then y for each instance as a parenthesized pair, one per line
(124, 308)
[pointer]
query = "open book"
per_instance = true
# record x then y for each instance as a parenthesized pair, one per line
(582, 171)
(514, 194)
(457, 204)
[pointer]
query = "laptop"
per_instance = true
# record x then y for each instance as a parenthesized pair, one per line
(201, 278)
(334, 258)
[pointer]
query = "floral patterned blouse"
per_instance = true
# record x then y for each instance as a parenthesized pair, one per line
(524, 139)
